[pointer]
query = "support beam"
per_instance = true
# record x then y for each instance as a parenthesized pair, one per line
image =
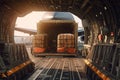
(84, 4)
(89, 8)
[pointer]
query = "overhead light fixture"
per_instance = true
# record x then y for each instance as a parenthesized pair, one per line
(56, 7)
(96, 15)
(105, 8)
(100, 13)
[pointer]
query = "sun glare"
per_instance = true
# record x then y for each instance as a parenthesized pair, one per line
(29, 21)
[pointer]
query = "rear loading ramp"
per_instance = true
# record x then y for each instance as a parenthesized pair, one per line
(59, 69)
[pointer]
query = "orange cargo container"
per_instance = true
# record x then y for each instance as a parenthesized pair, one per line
(38, 50)
(61, 50)
(71, 50)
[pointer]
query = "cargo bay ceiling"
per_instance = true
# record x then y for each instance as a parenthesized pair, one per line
(96, 15)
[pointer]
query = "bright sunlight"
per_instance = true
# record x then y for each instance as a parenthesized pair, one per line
(30, 21)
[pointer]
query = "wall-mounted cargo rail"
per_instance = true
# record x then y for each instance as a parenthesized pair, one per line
(14, 61)
(105, 63)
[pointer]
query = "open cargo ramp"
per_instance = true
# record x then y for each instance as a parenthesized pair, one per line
(59, 69)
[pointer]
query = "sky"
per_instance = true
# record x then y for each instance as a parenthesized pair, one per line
(30, 21)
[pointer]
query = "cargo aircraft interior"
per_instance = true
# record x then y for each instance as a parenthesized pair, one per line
(55, 52)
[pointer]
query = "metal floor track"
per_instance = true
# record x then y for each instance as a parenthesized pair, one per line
(50, 68)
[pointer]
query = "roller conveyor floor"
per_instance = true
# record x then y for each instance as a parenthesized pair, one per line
(58, 68)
